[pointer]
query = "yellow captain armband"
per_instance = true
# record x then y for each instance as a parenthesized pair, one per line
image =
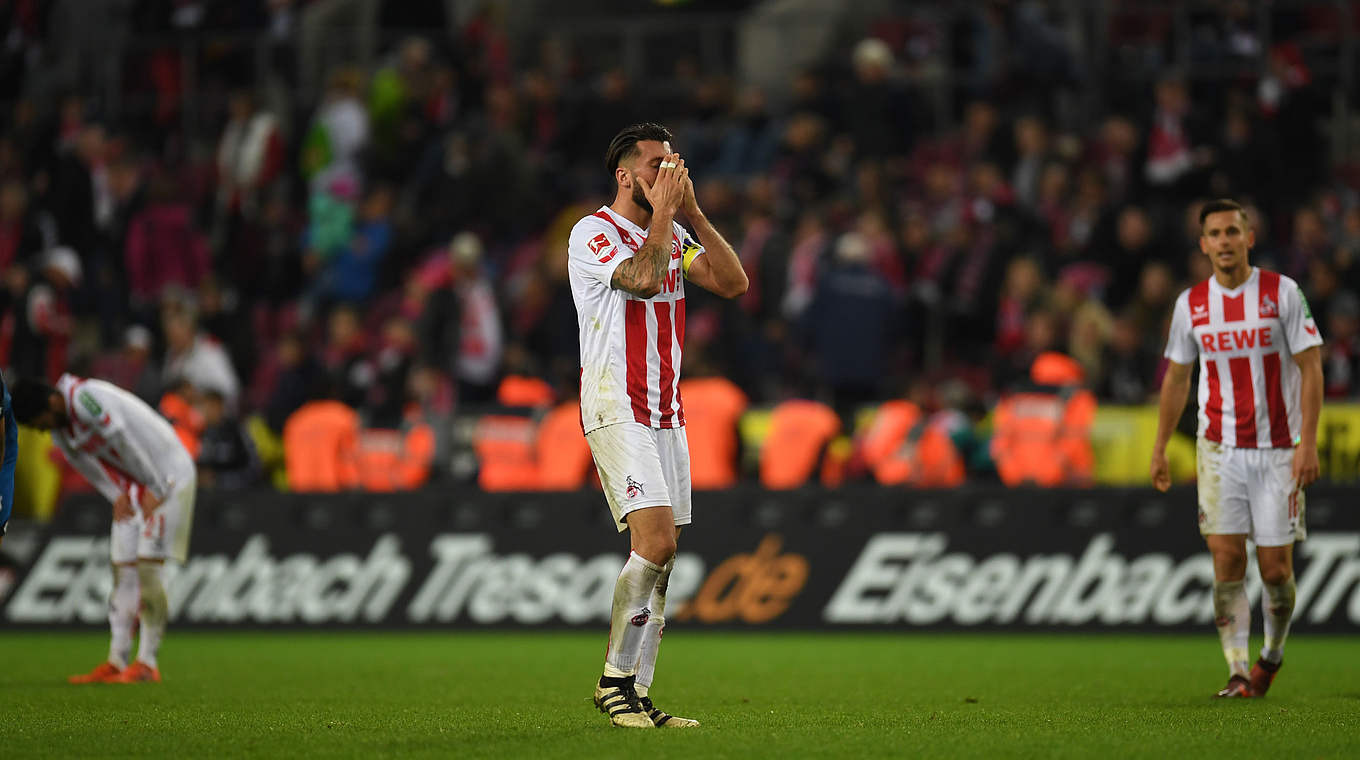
(687, 256)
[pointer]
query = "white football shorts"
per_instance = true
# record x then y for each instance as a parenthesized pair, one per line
(1249, 491)
(165, 535)
(641, 466)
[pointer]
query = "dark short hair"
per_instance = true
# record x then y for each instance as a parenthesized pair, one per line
(624, 144)
(1222, 204)
(29, 398)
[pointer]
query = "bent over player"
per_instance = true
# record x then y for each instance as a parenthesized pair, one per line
(132, 456)
(628, 263)
(1260, 392)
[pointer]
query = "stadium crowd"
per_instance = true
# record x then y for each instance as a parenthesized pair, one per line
(397, 242)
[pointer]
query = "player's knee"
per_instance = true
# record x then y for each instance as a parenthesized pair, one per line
(1230, 565)
(659, 547)
(1275, 574)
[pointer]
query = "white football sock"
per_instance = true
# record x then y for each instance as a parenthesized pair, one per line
(1277, 602)
(1232, 615)
(630, 615)
(122, 613)
(155, 610)
(651, 633)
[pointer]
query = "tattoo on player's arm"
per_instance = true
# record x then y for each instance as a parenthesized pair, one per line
(642, 274)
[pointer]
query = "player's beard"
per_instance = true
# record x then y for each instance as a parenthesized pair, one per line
(639, 197)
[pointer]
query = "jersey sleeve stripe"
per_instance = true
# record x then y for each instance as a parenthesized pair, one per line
(1280, 436)
(1244, 401)
(1213, 407)
(635, 339)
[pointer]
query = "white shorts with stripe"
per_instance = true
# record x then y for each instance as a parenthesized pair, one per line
(1249, 491)
(165, 535)
(642, 466)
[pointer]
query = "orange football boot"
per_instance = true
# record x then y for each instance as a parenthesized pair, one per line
(140, 672)
(105, 672)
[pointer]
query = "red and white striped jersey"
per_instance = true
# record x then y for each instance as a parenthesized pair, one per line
(116, 441)
(630, 347)
(1246, 339)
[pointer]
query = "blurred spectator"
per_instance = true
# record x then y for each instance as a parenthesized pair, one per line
(351, 274)
(226, 461)
(21, 240)
(344, 357)
(1129, 364)
(163, 248)
(249, 156)
(385, 403)
(321, 445)
(179, 406)
(1174, 139)
(130, 366)
(1020, 294)
(339, 131)
(43, 319)
(477, 364)
(851, 328)
(876, 110)
(1341, 352)
(196, 357)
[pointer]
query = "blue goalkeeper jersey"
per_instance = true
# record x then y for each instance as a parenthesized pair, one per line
(11, 456)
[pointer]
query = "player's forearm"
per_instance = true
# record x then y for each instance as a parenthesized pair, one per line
(726, 265)
(90, 468)
(1171, 403)
(1310, 397)
(138, 465)
(643, 274)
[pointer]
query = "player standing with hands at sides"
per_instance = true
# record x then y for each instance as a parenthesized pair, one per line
(1260, 392)
(627, 265)
(131, 455)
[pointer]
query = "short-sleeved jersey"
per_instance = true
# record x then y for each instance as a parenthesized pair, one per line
(630, 347)
(1245, 339)
(116, 441)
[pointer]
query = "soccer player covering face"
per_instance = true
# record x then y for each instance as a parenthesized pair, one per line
(131, 455)
(628, 264)
(1260, 391)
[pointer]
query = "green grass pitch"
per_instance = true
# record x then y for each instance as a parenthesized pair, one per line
(527, 695)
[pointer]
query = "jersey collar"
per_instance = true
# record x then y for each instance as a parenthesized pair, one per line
(1218, 286)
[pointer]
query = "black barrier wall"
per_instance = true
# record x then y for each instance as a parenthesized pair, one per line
(976, 557)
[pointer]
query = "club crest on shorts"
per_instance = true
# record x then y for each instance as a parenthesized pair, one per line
(641, 618)
(633, 488)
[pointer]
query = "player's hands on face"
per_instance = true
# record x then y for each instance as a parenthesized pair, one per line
(668, 192)
(1161, 472)
(122, 508)
(1306, 468)
(690, 204)
(149, 502)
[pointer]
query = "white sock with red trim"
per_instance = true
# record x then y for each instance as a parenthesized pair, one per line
(155, 611)
(122, 613)
(629, 616)
(651, 633)
(1232, 615)
(1277, 602)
